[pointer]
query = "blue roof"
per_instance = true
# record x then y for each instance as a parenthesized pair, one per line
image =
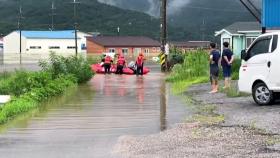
(65, 34)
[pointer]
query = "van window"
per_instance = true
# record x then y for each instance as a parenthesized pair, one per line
(261, 46)
(274, 43)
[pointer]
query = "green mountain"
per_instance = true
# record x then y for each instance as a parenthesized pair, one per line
(92, 17)
(195, 20)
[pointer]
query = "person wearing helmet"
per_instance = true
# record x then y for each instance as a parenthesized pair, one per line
(140, 64)
(107, 64)
(120, 64)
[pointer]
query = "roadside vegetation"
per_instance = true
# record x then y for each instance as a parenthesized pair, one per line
(193, 68)
(29, 89)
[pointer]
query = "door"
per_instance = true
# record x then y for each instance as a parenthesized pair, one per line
(274, 75)
(256, 66)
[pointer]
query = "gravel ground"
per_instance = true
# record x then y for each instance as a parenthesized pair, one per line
(241, 110)
(249, 130)
(194, 141)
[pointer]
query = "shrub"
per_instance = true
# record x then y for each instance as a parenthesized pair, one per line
(195, 65)
(31, 99)
(235, 69)
(75, 65)
(93, 59)
(21, 82)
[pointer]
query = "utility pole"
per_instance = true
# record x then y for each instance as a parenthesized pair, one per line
(75, 25)
(163, 26)
(52, 15)
(20, 17)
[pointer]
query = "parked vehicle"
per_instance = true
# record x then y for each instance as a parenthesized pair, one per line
(260, 69)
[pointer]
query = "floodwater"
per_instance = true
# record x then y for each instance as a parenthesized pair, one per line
(86, 122)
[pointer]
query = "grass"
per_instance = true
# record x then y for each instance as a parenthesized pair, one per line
(193, 70)
(233, 92)
(31, 99)
(181, 86)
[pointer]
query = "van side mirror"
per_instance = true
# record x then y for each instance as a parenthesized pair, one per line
(243, 54)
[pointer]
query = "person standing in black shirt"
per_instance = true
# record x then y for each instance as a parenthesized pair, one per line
(214, 67)
(227, 60)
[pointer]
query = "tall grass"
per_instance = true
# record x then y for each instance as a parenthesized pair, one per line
(194, 69)
(74, 65)
(195, 65)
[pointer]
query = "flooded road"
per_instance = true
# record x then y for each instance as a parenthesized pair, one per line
(87, 122)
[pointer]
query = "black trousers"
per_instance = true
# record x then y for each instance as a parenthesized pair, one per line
(119, 69)
(139, 70)
(107, 68)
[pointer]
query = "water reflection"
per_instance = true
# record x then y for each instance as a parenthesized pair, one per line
(163, 101)
(90, 121)
(140, 89)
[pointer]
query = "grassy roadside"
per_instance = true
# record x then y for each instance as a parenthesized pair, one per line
(29, 89)
(194, 70)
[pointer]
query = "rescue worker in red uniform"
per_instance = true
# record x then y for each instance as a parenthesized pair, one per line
(120, 65)
(140, 64)
(107, 64)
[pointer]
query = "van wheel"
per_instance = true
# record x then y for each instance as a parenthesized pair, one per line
(262, 95)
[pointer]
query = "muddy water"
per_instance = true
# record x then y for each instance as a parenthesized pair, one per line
(87, 122)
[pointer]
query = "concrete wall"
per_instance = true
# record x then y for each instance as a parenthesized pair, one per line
(45, 45)
(12, 43)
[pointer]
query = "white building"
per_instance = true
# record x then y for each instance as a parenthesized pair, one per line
(36, 45)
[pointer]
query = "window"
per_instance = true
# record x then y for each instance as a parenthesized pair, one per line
(125, 51)
(112, 50)
(137, 51)
(274, 43)
(54, 47)
(147, 51)
(249, 41)
(71, 47)
(260, 47)
(226, 40)
(35, 47)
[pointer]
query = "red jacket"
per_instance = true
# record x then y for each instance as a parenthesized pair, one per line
(140, 60)
(121, 61)
(108, 60)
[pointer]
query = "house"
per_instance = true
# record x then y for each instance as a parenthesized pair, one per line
(127, 45)
(240, 35)
(190, 45)
(37, 45)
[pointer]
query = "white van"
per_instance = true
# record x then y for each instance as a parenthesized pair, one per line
(260, 70)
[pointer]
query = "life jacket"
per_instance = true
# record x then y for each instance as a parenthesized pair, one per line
(140, 60)
(121, 61)
(108, 60)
